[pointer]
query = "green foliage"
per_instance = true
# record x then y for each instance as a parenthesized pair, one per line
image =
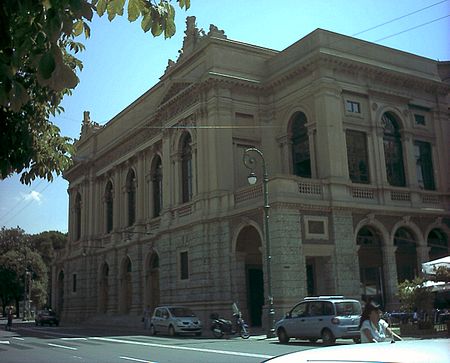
(443, 274)
(413, 295)
(16, 258)
(38, 68)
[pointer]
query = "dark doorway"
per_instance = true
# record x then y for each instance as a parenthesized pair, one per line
(255, 294)
(310, 283)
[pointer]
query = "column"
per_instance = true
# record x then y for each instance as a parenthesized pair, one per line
(390, 276)
(141, 195)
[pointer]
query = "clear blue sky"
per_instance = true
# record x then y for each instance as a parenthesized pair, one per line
(121, 63)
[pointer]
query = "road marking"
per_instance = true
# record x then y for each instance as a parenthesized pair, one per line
(18, 338)
(73, 338)
(137, 360)
(4, 342)
(226, 352)
(62, 346)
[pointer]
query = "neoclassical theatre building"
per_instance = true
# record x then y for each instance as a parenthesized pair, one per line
(355, 137)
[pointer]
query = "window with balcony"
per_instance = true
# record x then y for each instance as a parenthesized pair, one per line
(109, 207)
(301, 159)
(358, 160)
(186, 168)
(424, 165)
(393, 151)
(131, 196)
(157, 177)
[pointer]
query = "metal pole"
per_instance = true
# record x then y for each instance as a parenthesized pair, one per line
(249, 162)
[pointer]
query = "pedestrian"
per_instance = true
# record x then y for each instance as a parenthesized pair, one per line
(372, 328)
(10, 318)
(146, 318)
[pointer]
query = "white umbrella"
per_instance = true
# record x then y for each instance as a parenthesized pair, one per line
(430, 267)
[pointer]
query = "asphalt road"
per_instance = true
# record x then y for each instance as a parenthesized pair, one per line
(82, 344)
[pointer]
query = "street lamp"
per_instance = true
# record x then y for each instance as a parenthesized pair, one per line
(250, 163)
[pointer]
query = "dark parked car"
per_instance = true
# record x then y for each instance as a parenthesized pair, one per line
(46, 317)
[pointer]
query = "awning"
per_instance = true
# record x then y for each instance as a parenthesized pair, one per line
(430, 267)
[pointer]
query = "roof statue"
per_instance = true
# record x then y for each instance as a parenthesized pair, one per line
(193, 37)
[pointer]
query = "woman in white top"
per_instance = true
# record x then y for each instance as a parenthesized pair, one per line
(373, 329)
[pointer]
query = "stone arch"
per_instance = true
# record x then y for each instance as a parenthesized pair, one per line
(372, 222)
(248, 272)
(103, 287)
(125, 285)
(247, 222)
(288, 116)
(396, 112)
(152, 280)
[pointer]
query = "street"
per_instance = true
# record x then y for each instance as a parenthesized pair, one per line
(28, 343)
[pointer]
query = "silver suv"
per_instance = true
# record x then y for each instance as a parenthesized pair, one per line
(174, 320)
(321, 317)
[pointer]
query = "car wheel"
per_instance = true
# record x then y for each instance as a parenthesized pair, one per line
(171, 331)
(199, 334)
(57, 324)
(37, 324)
(313, 340)
(328, 337)
(152, 330)
(357, 340)
(283, 338)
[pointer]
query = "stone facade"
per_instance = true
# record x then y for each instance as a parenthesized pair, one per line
(356, 141)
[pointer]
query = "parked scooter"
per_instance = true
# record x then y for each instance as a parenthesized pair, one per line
(221, 327)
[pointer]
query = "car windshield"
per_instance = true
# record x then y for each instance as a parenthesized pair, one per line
(348, 308)
(181, 312)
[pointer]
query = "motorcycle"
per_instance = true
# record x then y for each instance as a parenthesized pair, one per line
(221, 327)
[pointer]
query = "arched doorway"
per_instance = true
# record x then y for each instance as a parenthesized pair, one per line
(152, 291)
(370, 258)
(103, 289)
(125, 286)
(60, 292)
(248, 253)
(437, 242)
(405, 254)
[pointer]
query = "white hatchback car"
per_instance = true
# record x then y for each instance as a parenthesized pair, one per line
(174, 320)
(409, 351)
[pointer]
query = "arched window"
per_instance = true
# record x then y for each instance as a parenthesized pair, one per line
(186, 168)
(301, 159)
(157, 186)
(109, 206)
(393, 151)
(131, 194)
(77, 217)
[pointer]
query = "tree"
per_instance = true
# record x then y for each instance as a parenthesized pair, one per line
(415, 295)
(38, 68)
(47, 244)
(16, 258)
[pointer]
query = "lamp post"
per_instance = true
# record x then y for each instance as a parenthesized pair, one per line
(250, 162)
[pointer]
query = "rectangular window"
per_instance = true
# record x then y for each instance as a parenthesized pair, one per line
(358, 159)
(352, 106)
(74, 283)
(184, 266)
(424, 165)
(419, 119)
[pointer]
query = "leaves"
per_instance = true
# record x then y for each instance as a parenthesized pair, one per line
(38, 68)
